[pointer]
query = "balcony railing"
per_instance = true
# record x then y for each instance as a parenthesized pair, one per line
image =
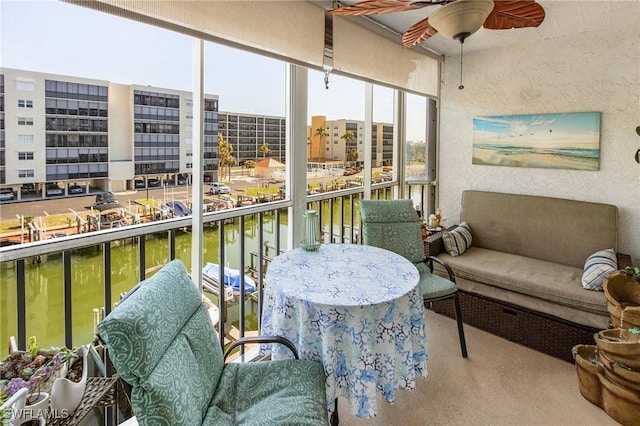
(244, 238)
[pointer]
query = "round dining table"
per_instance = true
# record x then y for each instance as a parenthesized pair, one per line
(355, 308)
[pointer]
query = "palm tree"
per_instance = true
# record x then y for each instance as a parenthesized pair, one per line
(264, 149)
(225, 158)
(322, 133)
(352, 155)
(349, 136)
(249, 164)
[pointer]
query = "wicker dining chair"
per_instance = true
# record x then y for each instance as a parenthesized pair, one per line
(394, 225)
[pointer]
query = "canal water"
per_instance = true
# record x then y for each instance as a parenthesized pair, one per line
(44, 280)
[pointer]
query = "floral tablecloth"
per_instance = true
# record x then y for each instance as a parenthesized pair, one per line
(357, 310)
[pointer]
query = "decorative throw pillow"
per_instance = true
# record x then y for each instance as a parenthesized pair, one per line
(457, 241)
(597, 268)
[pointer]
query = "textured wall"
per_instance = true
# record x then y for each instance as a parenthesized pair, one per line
(592, 71)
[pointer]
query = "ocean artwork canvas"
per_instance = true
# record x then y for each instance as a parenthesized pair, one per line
(552, 141)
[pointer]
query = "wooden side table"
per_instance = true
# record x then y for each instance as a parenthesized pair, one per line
(624, 260)
(433, 243)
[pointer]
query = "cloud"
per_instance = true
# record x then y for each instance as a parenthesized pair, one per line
(542, 121)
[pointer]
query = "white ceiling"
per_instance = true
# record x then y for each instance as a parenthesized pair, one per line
(563, 17)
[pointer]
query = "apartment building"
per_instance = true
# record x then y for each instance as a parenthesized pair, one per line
(163, 136)
(342, 140)
(63, 134)
(72, 134)
(78, 134)
(248, 133)
(53, 129)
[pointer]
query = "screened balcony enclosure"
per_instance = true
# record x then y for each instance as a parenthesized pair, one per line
(59, 289)
(385, 137)
(371, 135)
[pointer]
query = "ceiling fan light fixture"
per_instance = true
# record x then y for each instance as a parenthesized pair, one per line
(461, 18)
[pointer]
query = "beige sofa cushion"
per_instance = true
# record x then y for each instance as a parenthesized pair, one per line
(545, 228)
(537, 278)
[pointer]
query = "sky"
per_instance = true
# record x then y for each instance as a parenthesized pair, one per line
(59, 38)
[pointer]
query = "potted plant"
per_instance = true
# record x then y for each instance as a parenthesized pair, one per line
(67, 392)
(36, 371)
(8, 405)
(633, 272)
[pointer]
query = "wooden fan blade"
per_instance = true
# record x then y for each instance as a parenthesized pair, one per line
(514, 14)
(375, 7)
(419, 32)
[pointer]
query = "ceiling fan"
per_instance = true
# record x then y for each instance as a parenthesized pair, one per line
(456, 19)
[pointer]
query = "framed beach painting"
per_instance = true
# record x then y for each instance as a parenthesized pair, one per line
(551, 141)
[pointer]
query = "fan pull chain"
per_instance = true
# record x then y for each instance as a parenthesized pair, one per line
(327, 70)
(461, 52)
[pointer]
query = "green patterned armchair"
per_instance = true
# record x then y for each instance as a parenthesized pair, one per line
(394, 225)
(162, 342)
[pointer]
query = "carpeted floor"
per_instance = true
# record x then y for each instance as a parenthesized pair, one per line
(500, 383)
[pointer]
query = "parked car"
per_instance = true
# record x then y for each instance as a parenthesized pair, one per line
(182, 180)
(385, 176)
(28, 188)
(76, 189)
(53, 190)
(153, 183)
(139, 183)
(105, 197)
(6, 194)
(218, 188)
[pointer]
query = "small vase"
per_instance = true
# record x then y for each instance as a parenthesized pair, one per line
(66, 394)
(11, 406)
(310, 231)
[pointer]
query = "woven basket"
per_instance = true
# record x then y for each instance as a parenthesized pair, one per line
(621, 346)
(623, 300)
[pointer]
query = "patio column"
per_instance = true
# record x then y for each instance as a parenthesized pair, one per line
(197, 192)
(296, 152)
(368, 156)
(399, 143)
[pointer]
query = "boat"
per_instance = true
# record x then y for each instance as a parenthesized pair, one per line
(231, 277)
(214, 312)
(179, 209)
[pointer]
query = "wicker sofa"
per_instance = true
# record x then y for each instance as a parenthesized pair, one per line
(521, 276)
